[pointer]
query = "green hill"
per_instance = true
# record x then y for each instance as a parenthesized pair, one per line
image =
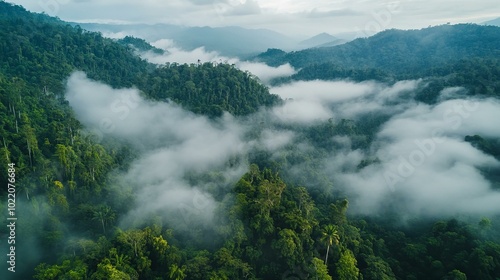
(450, 55)
(59, 169)
(398, 50)
(43, 51)
(71, 201)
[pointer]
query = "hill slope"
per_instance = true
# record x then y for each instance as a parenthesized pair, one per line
(495, 22)
(44, 51)
(322, 39)
(73, 196)
(461, 55)
(61, 171)
(397, 50)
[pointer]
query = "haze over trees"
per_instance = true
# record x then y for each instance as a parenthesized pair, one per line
(274, 209)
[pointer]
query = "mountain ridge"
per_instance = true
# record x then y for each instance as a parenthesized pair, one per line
(228, 40)
(319, 40)
(494, 22)
(396, 49)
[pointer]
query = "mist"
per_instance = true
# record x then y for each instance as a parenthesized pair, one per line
(175, 54)
(177, 149)
(422, 167)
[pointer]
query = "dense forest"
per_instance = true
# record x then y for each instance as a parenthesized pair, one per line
(399, 50)
(448, 55)
(268, 223)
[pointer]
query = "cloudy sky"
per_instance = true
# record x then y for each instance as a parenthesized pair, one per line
(292, 17)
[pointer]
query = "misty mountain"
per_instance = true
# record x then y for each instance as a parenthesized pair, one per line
(398, 50)
(333, 43)
(139, 45)
(320, 40)
(72, 48)
(495, 22)
(126, 168)
(228, 41)
(38, 56)
(446, 56)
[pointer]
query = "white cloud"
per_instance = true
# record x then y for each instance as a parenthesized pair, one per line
(324, 91)
(287, 16)
(249, 7)
(264, 72)
(424, 167)
(173, 142)
(310, 101)
(425, 160)
(174, 54)
(302, 112)
(273, 140)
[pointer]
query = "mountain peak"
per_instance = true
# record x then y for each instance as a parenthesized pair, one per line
(495, 22)
(317, 40)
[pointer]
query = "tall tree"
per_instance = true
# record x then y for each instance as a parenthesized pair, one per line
(330, 236)
(104, 215)
(346, 266)
(176, 272)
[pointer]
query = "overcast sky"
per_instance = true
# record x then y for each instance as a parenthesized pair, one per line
(291, 17)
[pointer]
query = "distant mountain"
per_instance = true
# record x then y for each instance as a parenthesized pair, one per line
(139, 45)
(320, 40)
(495, 22)
(229, 41)
(333, 43)
(398, 50)
(232, 40)
(465, 55)
(44, 51)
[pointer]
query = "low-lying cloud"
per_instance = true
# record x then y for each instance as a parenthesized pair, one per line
(422, 166)
(175, 146)
(426, 163)
(311, 101)
(175, 54)
(173, 143)
(419, 164)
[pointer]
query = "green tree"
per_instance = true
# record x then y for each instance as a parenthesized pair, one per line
(134, 238)
(455, 275)
(346, 266)
(289, 246)
(176, 272)
(318, 270)
(69, 269)
(377, 269)
(329, 236)
(484, 224)
(106, 271)
(104, 215)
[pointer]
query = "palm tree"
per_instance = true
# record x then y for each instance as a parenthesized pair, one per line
(120, 261)
(330, 236)
(177, 273)
(27, 187)
(104, 215)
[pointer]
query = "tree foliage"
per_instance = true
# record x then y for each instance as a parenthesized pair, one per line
(269, 227)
